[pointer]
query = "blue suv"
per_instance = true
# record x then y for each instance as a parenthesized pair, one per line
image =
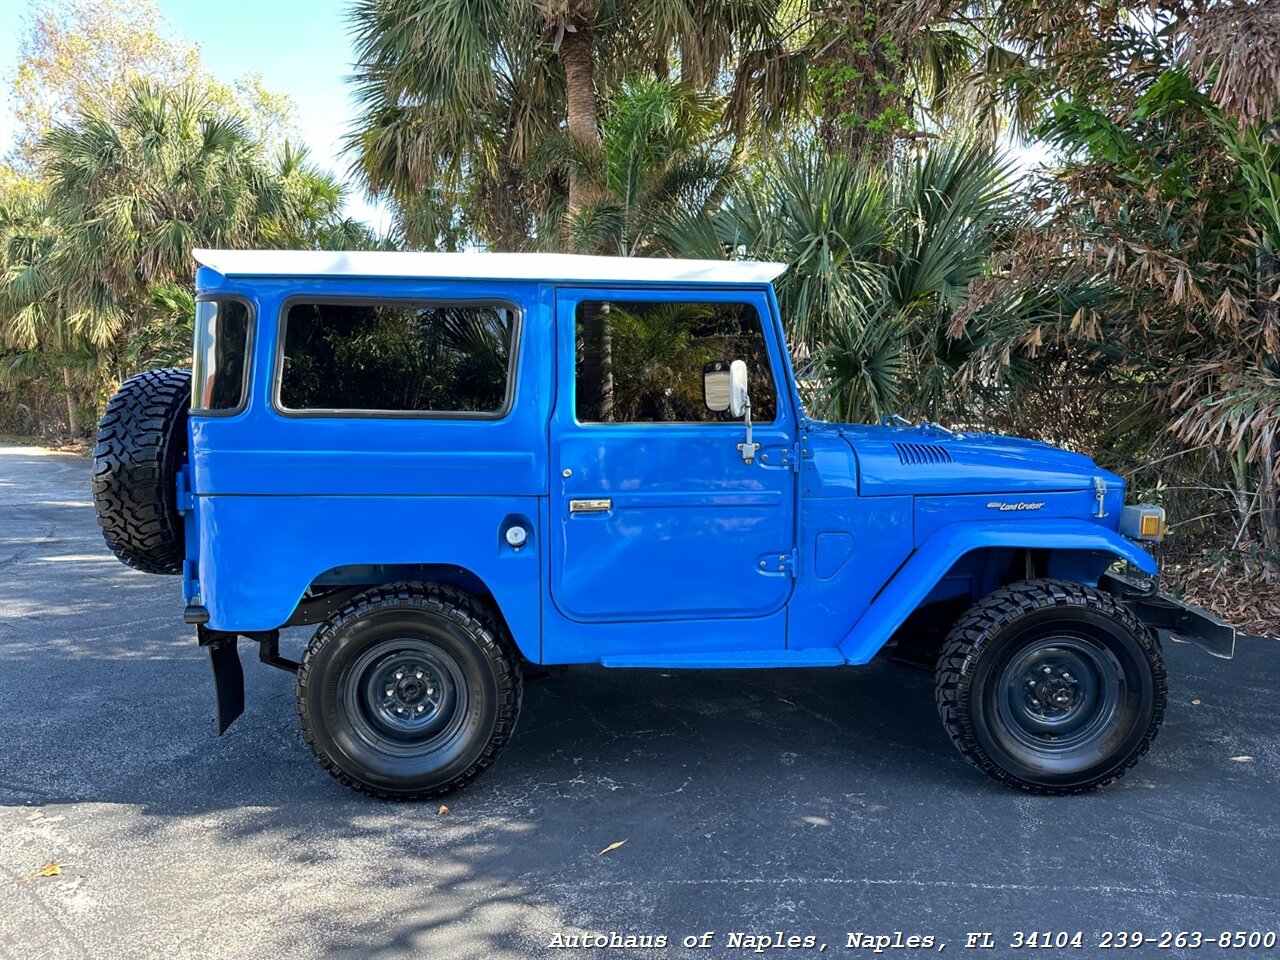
(463, 468)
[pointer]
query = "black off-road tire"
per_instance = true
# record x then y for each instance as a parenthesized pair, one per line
(979, 703)
(354, 738)
(141, 446)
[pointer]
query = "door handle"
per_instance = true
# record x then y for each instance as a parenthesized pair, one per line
(590, 506)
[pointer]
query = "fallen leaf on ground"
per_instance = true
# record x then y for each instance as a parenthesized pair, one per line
(1243, 758)
(1195, 703)
(50, 869)
(612, 846)
(442, 811)
(790, 703)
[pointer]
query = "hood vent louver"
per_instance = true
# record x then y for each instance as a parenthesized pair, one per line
(916, 454)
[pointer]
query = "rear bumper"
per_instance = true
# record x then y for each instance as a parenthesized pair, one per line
(1168, 615)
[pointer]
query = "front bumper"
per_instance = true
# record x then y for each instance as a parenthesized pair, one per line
(1170, 616)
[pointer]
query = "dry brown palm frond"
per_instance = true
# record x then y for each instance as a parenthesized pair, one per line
(1234, 45)
(1229, 408)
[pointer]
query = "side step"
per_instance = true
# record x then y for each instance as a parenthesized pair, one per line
(721, 660)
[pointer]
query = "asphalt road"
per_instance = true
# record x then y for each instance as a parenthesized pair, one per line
(814, 803)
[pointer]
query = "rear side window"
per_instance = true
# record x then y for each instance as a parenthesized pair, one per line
(221, 355)
(399, 358)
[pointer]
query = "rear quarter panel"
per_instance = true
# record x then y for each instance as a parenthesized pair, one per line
(281, 499)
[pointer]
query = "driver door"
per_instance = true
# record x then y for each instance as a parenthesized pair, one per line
(655, 514)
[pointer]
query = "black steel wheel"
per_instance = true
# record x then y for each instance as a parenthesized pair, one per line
(409, 691)
(1051, 686)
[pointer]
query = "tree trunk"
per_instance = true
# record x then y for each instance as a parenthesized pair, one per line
(1269, 510)
(862, 108)
(73, 424)
(577, 57)
(1268, 266)
(594, 380)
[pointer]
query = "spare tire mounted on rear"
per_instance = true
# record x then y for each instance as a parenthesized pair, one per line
(141, 446)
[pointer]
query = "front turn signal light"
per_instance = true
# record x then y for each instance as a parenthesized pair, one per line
(1143, 521)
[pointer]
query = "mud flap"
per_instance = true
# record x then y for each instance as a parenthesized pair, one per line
(228, 675)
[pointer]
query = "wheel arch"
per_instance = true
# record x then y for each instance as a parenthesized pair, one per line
(341, 582)
(1075, 550)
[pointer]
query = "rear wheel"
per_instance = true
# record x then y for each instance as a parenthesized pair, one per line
(1051, 687)
(409, 691)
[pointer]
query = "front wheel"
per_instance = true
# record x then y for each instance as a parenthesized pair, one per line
(409, 691)
(1051, 687)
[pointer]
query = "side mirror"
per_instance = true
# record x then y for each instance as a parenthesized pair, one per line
(724, 387)
(715, 386)
(739, 402)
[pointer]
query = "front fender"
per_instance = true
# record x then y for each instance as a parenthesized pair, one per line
(936, 555)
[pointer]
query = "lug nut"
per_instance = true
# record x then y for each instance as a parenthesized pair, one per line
(400, 673)
(418, 674)
(1047, 670)
(422, 708)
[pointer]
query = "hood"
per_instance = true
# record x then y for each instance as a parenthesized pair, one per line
(911, 460)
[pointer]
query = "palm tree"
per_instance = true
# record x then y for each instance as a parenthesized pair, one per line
(458, 96)
(35, 338)
(884, 261)
(128, 190)
(824, 215)
(657, 175)
(134, 187)
(659, 172)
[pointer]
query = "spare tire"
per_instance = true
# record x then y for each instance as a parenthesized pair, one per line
(141, 446)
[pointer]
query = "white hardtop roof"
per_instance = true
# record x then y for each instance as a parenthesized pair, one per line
(483, 266)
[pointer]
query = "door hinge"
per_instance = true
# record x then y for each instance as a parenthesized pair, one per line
(185, 499)
(795, 457)
(792, 563)
(190, 581)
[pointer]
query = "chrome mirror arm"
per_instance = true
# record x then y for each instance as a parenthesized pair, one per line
(748, 449)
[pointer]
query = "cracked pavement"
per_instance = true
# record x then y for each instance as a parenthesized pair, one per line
(810, 802)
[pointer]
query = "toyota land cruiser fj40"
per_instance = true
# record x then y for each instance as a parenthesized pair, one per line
(458, 466)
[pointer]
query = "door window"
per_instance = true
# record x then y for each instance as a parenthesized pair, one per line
(642, 361)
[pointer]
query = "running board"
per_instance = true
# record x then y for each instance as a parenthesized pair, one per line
(720, 660)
